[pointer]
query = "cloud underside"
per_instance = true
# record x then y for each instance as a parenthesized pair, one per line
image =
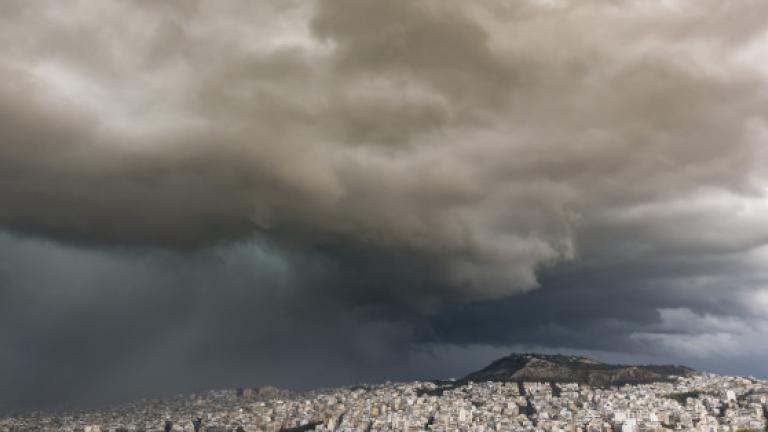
(479, 137)
(578, 174)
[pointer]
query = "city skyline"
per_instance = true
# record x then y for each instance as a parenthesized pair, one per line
(519, 399)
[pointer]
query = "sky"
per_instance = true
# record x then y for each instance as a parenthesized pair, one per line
(200, 194)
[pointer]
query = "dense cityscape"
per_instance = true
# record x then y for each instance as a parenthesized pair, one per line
(701, 402)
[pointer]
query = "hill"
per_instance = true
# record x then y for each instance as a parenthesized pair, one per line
(579, 369)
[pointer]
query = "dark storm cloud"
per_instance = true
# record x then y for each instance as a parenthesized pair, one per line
(466, 134)
(400, 174)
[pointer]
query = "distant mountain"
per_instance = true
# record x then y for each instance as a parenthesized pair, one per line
(583, 370)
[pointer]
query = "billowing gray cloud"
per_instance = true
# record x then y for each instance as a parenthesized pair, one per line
(415, 169)
(466, 133)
